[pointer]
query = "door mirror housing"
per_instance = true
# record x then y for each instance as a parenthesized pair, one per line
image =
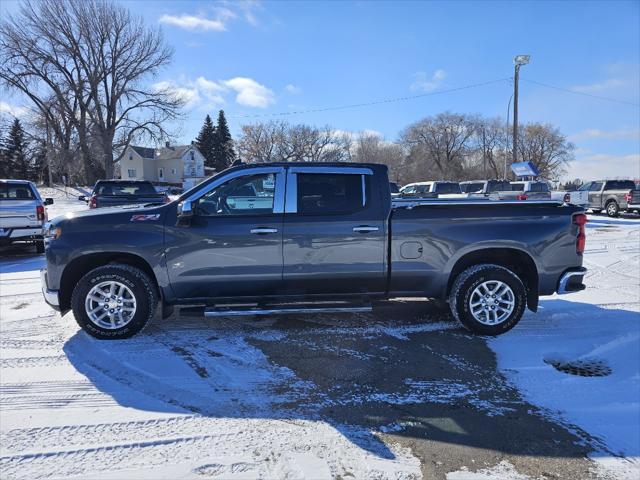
(48, 201)
(82, 198)
(185, 213)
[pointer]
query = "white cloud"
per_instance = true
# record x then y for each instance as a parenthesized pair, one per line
(13, 110)
(595, 133)
(207, 94)
(599, 87)
(250, 93)
(426, 83)
(602, 166)
(200, 22)
(293, 89)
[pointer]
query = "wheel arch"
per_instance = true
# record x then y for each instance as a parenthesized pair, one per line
(516, 260)
(82, 265)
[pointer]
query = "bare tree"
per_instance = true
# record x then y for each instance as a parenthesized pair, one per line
(281, 141)
(442, 140)
(490, 138)
(547, 148)
(93, 57)
(372, 148)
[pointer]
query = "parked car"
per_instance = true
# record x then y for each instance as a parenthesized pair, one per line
(435, 189)
(531, 190)
(330, 240)
(113, 193)
(494, 189)
(633, 200)
(608, 195)
(22, 213)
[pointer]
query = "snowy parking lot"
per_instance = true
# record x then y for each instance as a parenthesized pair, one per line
(401, 393)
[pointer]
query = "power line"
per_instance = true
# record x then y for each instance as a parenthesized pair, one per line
(582, 93)
(376, 102)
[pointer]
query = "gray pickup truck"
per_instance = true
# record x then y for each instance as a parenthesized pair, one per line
(608, 195)
(113, 193)
(309, 237)
(22, 213)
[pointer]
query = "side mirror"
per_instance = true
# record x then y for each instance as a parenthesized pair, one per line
(185, 210)
(48, 201)
(82, 198)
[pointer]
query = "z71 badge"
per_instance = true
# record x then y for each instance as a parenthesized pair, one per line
(144, 218)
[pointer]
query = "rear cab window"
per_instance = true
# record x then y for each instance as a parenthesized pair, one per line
(16, 191)
(620, 185)
(475, 187)
(498, 186)
(125, 188)
(328, 193)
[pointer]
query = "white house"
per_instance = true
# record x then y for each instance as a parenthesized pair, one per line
(181, 165)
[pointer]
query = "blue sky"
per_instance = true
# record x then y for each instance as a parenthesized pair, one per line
(263, 58)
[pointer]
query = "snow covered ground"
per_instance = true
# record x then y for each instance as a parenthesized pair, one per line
(202, 398)
(599, 326)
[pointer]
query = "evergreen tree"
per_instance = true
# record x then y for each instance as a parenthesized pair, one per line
(206, 140)
(16, 151)
(4, 158)
(223, 152)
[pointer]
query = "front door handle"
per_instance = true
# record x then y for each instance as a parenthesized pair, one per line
(365, 229)
(263, 230)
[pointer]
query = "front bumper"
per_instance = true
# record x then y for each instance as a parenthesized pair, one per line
(571, 281)
(50, 296)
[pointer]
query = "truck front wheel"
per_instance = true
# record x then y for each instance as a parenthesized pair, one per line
(114, 301)
(488, 299)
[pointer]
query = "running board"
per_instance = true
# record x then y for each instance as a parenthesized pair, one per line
(282, 309)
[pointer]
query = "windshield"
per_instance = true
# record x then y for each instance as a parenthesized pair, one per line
(125, 188)
(16, 191)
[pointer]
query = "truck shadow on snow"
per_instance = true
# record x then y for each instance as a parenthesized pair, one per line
(406, 372)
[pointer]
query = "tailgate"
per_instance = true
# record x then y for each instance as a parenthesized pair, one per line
(18, 213)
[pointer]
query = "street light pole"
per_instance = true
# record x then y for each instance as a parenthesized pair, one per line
(519, 60)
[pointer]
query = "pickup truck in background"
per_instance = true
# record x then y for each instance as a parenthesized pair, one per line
(574, 197)
(493, 189)
(435, 189)
(319, 237)
(22, 213)
(115, 193)
(608, 195)
(531, 190)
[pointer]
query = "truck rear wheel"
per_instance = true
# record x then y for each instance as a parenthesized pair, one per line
(114, 301)
(488, 299)
(612, 208)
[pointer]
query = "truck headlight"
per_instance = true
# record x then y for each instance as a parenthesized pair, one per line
(51, 232)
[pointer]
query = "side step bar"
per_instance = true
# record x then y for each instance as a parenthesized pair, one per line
(282, 309)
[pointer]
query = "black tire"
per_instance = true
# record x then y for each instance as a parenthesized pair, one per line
(612, 208)
(139, 283)
(464, 286)
(39, 246)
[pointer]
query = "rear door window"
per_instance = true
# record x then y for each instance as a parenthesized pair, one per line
(16, 191)
(331, 193)
(595, 187)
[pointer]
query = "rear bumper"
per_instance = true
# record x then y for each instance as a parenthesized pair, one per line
(50, 296)
(633, 206)
(571, 281)
(23, 233)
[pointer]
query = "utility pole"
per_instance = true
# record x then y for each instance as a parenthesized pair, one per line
(519, 60)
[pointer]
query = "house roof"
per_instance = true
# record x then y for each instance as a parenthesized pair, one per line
(164, 153)
(144, 152)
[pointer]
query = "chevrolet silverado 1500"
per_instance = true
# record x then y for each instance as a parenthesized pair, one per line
(305, 237)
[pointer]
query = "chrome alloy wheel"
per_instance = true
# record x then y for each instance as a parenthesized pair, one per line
(492, 302)
(110, 305)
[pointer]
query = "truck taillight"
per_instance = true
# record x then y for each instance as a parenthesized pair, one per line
(41, 213)
(524, 196)
(93, 203)
(628, 196)
(567, 198)
(581, 220)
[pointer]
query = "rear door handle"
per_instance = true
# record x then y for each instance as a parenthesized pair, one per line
(263, 230)
(365, 229)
